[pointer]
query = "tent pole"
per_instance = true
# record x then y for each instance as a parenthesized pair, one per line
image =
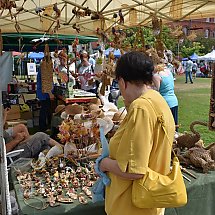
(5, 194)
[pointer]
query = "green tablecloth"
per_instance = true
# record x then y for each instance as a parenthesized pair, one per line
(201, 198)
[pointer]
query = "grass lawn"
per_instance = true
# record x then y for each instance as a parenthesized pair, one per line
(194, 100)
(193, 105)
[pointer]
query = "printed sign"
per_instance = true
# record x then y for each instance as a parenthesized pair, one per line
(31, 67)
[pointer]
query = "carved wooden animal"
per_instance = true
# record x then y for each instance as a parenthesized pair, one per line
(189, 140)
(201, 158)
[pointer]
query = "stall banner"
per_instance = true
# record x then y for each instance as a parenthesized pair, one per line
(6, 68)
(31, 67)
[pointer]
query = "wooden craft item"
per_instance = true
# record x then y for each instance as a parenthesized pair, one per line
(46, 23)
(47, 72)
(64, 200)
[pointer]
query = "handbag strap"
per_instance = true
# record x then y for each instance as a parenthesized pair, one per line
(161, 122)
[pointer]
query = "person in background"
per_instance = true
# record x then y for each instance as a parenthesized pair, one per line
(18, 137)
(194, 69)
(92, 62)
(171, 69)
(188, 70)
(164, 83)
(45, 105)
(139, 142)
(86, 74)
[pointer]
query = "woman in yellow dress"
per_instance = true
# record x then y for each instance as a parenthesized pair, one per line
(139, 141)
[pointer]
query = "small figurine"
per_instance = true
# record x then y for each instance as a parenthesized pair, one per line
(81, 199)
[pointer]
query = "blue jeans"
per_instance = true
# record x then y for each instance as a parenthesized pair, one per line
(45, 114)
(189, 74)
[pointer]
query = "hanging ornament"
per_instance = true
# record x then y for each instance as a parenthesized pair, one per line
(121, 17)
(114, 15)
(76, 27)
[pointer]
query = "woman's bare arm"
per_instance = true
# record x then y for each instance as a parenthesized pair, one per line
(110, 165)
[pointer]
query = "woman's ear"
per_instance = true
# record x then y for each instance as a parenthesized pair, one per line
(123, 83)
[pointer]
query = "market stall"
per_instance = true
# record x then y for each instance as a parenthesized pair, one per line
(105, 19)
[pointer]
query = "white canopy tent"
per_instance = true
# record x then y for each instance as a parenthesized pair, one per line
(33, 18)
(208, 56)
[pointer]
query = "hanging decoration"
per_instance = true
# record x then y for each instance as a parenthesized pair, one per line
(47, 72)
(132, 17)
(157, 30)
(139, 40)
(75, 43)
(103, 35)
(76, 27)
(21, 8)
(7, 5)
(46, 23)
(81, 12)
(57, 11)
(121, 17)
(108, 72)
(156, 24)
(177, 32)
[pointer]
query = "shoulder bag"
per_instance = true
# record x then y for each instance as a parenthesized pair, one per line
(156, 190)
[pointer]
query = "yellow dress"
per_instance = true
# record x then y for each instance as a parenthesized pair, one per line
(136, 145)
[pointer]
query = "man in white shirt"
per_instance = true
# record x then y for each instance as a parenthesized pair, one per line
(188, 70)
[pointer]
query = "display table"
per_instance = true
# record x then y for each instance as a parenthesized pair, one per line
(76, 100)
(78, 96)
(201, 198)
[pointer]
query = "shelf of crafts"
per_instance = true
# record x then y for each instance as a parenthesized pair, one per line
(75, 100)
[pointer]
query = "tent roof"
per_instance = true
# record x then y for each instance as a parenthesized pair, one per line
(23, 41)
(208, 56)
(135, 12)
(194, 56)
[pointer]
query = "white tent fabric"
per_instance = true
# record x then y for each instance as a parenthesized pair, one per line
(136, 12)
(208, 56)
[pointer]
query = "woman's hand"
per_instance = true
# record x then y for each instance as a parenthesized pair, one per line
(104, 164)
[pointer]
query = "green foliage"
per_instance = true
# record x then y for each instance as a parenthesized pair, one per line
(208, 44)
(132, 34)
(189, 48)
(170, 42)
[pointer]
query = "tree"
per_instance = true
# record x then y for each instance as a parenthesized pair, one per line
(208, 43)
(170, 42)
(189, 48)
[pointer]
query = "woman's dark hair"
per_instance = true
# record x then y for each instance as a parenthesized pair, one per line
(136, 67)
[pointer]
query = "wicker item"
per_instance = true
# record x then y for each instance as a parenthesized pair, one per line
(47, 71)
(73, 109)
